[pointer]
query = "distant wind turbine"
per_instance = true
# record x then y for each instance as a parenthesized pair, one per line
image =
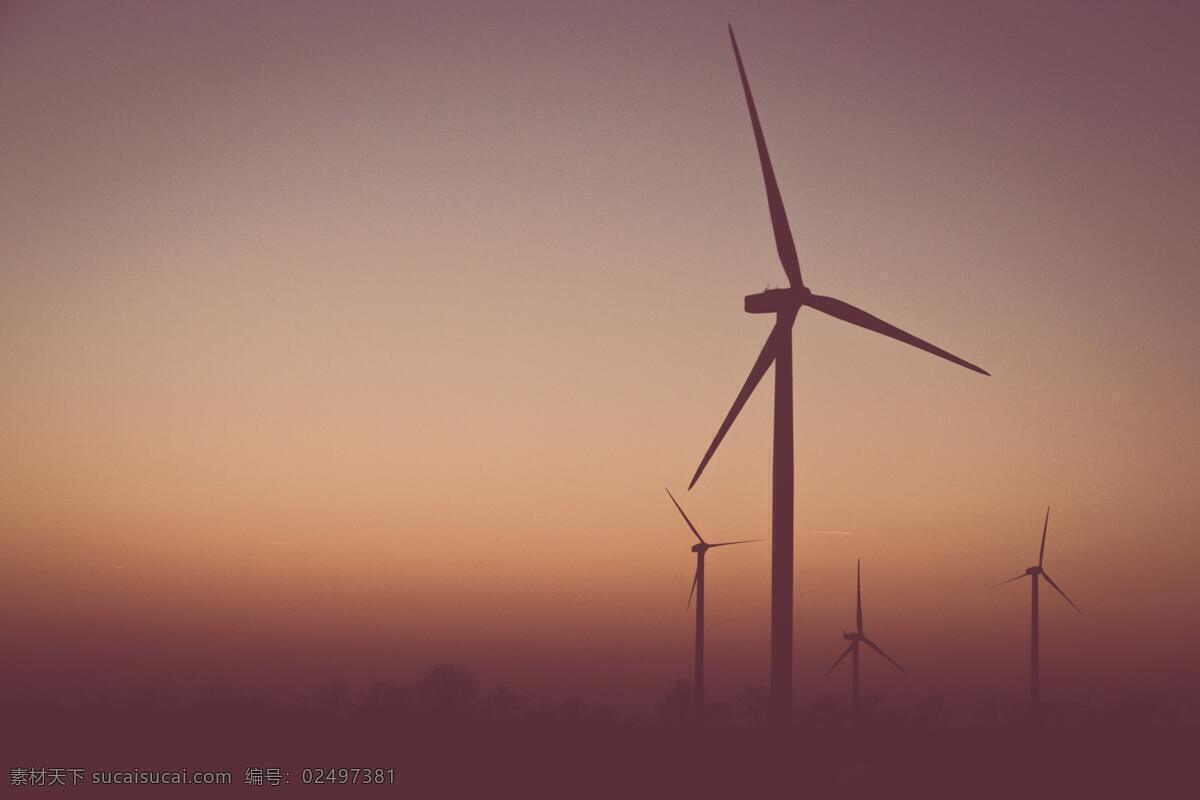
(700, 548)
(1035, 689)
(785, 304)
(858, 638)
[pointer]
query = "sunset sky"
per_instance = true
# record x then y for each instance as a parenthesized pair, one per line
(337, 339)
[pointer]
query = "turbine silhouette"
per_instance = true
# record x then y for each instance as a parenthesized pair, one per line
(785, 304)
(1035, 689)
(858, 637)
(700, 548)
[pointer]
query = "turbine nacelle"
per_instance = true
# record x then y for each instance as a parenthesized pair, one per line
(700, 547)
(1034, 571)
(853, 637)
(777, 301)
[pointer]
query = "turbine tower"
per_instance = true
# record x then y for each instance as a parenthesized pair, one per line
(859, 638)
(700, 548)
(785, 304)
(1035, 688)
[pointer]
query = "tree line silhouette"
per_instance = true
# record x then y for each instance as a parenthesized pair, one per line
(447, 732)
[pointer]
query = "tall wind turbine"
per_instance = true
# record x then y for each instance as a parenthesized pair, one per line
(1035, 689)
(785, 304)
(858, 638)
(700, 548)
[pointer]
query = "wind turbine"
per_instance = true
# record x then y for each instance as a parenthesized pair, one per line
(785, 304)
(700, 548)
(1035, 689)
(859, 638)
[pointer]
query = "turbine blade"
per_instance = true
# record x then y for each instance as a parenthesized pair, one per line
(739, 541)
(1010, 580)
(783, 233)
(1060, 591)
(1046, 524)
(879, 650)
(685, 517)
(692, 593)
(845, 653)
(848, 313)
(783, 327)
(859, 592)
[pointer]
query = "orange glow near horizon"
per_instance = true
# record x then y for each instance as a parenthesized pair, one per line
(340, 343)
